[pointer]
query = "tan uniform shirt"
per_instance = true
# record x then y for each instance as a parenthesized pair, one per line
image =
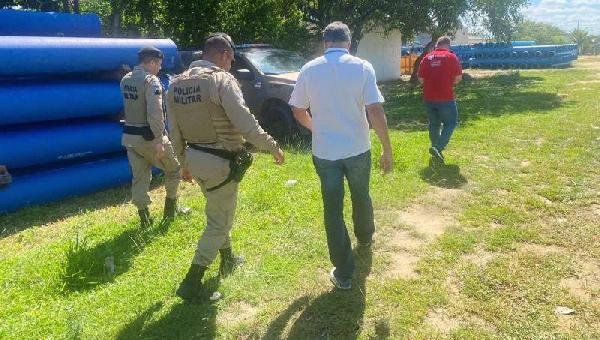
(154, 110)
(228, 95)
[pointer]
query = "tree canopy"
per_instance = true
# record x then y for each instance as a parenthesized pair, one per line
(289, 23)
(586, 42)
(542, 33)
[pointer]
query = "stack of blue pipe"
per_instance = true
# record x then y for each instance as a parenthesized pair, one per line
(59, 105)
(516, 55)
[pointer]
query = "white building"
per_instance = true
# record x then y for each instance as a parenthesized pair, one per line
(384, 52)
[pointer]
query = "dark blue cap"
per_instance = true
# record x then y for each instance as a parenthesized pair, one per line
(150, 51)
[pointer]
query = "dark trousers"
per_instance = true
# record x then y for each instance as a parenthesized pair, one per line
(357, 171)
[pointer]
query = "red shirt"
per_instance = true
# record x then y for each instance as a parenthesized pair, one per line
(439, 68)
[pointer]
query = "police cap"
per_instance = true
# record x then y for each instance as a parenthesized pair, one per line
(150, 51)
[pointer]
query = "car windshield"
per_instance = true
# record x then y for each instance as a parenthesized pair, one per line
(274, 61)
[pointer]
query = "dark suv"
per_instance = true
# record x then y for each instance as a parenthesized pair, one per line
(267, 76)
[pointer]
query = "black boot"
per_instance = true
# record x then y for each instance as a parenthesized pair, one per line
(170, 207)
(229, 262)
(191, 287)
(145, 219)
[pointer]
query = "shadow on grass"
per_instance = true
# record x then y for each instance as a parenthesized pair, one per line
(89, 267)
(28, 217)
(492, 96)
(336, 314)
(443, 175)
(184, 320)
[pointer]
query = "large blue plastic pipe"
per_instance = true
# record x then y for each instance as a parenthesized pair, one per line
(59, 183)
(35, 145)
(19, 22)
(28, 103)
(523, 43)
(34, 56)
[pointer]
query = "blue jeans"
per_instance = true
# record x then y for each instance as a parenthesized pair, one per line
(357, 171)
(443, 118)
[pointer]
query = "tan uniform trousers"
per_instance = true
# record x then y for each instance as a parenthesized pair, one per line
(141, 159)
(209, 171)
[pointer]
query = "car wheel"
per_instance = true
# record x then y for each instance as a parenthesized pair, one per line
(278, 122)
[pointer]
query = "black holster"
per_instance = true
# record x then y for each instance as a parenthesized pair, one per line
(239, 162)
(143, 131)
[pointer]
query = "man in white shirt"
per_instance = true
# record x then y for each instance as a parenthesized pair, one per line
(337, 87)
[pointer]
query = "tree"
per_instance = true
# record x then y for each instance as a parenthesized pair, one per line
(436, 17)
(583, 39)
(444, 17)
(541, 33)
(499, 17)
(46, 6)
(278, 22)
(364, 15)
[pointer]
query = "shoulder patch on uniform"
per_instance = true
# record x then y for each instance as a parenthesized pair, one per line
(155, 86)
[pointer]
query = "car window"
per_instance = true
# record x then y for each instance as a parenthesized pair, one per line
(275, 61)
(240, 64)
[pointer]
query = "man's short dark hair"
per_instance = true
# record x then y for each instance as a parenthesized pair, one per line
(217, 42)
(444, 40)
(337, 31)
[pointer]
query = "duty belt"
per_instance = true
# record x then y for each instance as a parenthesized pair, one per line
(143, 131)
(228, 155)
(239, 162)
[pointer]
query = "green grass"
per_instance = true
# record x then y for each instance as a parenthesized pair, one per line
(524, 161)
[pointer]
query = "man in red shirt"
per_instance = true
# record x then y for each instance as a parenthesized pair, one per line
(439, 71)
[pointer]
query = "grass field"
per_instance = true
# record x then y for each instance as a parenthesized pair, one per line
(485, 247)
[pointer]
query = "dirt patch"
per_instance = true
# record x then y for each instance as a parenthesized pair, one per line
(589, 213)
(414, 227)
(452, 285)
(567, 323)
(402, 239)
(433, 215)
(480, 74)
(429, 221)
(441, 321)
(236, 313)
(585, 284)
(540, 249)
(403, 265)
(539, 141)
(480, 257)
(595, 81)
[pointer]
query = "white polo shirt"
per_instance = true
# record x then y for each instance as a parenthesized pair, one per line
(336, 87)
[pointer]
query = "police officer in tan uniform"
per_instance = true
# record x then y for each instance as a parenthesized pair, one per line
(209, 123)
(144, 134)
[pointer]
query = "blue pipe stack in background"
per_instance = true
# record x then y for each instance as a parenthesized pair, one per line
(60, 103)
(515, 55)
(48, 24)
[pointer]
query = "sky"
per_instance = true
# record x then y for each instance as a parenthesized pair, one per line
(566, 13)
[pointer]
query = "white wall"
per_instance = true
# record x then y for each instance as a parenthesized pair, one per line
(384, 52)
(461, 37)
